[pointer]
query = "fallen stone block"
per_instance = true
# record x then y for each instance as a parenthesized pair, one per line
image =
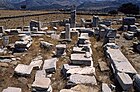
(81, 79)
(60, 49)
(46, 45)
(83, 41)
(105, 88)
(68, 90)
(12, 31)
(50, 65)
(136, 46)
(84, 35)
(82, 49)
(38, 58)
(67, 67)
(82, 71)
(42, 85)
(55, 36)
(51, 32)
(7, 58)
(23, 80)
(137, 82)
(23, 70)
(85, 88)
(81, 59)
(4, 65)
(129, 35)
(15, 63)
(81, 88)
(103, 66)
(44, 28)
(12, 89)
(36, 64)
(40, 74)
(88, 31)
(125, 81)
(21, 45)
(119, 62)
(35, 25)
(129, 21)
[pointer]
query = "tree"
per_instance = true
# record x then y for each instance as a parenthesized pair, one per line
(23, 7)
(113, 12)
(129, 8)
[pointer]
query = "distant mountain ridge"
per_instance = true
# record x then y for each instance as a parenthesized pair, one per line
(63, 4)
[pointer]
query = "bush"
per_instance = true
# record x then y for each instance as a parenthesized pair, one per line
(113, 12)
(129, 8)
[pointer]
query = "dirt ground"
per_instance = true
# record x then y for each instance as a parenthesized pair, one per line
(6, 73)
(7, 13)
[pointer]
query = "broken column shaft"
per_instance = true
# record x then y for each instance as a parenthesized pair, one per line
(73, 18)
(67, 33)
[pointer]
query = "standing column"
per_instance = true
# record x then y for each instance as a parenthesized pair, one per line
(73, 18)
(67, 33)
(95, 21)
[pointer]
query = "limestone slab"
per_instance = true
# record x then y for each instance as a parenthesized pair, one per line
(50, 65)
(124, 80)
(81, 59)
(103, 66)
(119, 61)
(41, 83)
(40, 74)
(12, 89)
(36, 64)
(22, 69)
(66, 67)
(137, 81)
(105, 88)
(83, 71)
(82, 79)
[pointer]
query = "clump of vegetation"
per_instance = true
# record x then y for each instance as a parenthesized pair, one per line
(129, 8)
(113, 12)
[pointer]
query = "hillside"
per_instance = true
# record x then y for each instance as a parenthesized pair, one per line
(63, 4)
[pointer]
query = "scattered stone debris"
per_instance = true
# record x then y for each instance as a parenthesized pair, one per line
(15, 62)
(68, 90)
(78, 73)
(23, 80)
(38, 58)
